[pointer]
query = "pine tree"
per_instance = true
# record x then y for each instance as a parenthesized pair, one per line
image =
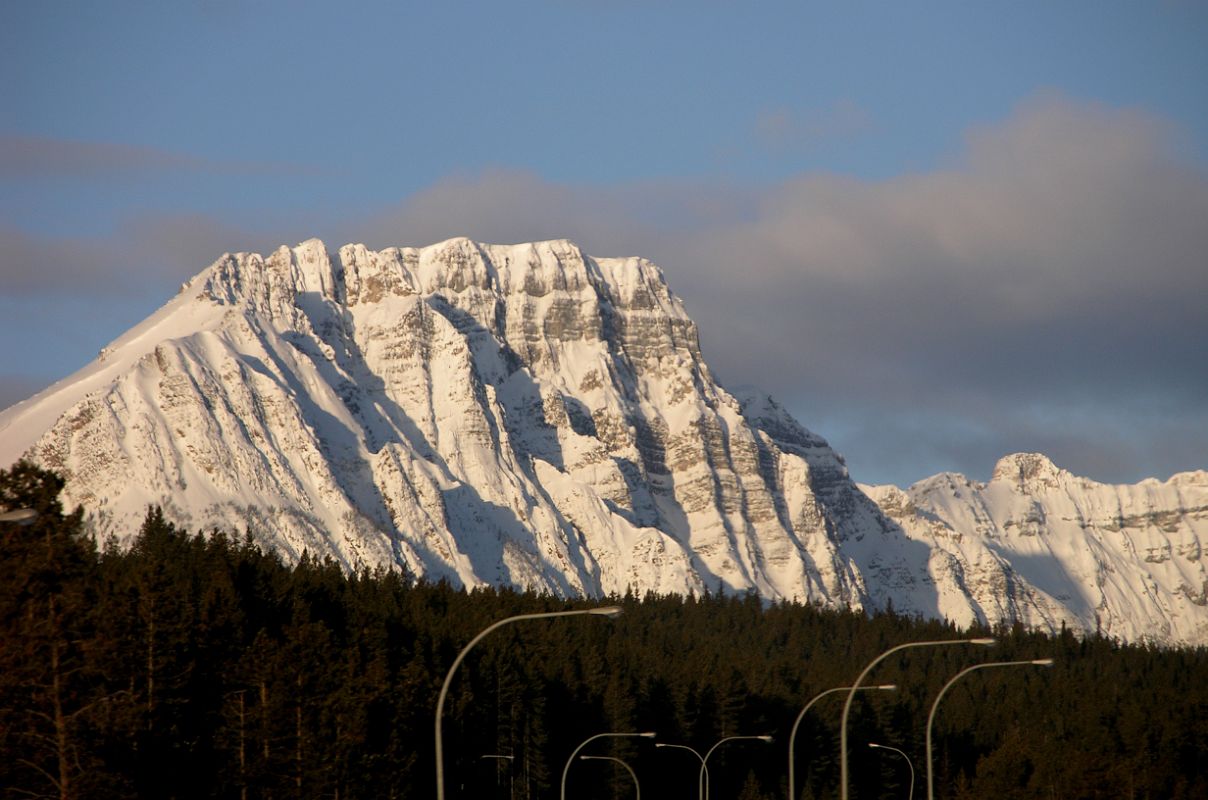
(48, 688)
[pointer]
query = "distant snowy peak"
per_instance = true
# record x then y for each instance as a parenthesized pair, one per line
(1036, 472)
(532, 416)
(769, 416)
(1126, 560)
(1029, 471)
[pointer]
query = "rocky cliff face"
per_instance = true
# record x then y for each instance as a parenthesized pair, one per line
(522, 415)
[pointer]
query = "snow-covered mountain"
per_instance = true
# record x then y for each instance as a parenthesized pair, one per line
(1124, 560)
(529, 415)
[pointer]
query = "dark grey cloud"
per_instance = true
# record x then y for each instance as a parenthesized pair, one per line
(148, 252)
(507, 206)
(35, 156)
(41, 157)
(62, 299)
(31, 263)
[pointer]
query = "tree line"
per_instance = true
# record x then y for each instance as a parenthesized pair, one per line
(200, 665)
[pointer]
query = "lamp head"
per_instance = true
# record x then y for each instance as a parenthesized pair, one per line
(1043, 662)
(21, 516)
(885, 687)
(875, 746)
(606, 611)
(764, 738)
(984, 642)
(648, 735)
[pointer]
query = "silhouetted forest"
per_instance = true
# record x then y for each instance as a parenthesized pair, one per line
(193, 665)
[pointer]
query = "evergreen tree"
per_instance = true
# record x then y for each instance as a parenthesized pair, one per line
(48, 686)
(201, 666)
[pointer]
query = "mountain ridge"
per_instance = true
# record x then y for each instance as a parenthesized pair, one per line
(530, 415)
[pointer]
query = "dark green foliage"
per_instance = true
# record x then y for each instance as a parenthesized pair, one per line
(200, 666)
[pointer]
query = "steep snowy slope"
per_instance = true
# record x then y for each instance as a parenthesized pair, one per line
(532, 416)
(1124, 560)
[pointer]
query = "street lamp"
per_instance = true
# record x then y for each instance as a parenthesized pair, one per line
(852, 693)
(886, 687)
(700, 786)
(875, 746)
(637, 786)
(569, 761)
(602, 611)
(1040, 662)
(511, 773)
(704, 761)
(21, 516)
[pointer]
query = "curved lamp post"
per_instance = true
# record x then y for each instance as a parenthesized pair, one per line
(637, 786)
(700, 786)
(1040, 662)
(604, 611)
(875, 746)
(569, 761)
(852, 693)
(704, 761)
(886, 687)
(511, 773)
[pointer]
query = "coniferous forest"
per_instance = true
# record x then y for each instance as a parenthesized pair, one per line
(198, 665)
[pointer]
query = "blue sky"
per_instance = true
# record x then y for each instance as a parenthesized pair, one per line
(938, 232)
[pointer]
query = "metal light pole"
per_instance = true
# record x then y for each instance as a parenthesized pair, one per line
(604, 611)
(637, 786)
(852, 693)
(511, 772)
(903, 755)
(886, 687)
(569, 761)
(1040, 662)
(700, 786)
(704, 761)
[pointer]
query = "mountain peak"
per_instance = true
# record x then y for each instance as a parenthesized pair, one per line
(529, 415)
(520, 414)
(1122, 560)
(1027, 471)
